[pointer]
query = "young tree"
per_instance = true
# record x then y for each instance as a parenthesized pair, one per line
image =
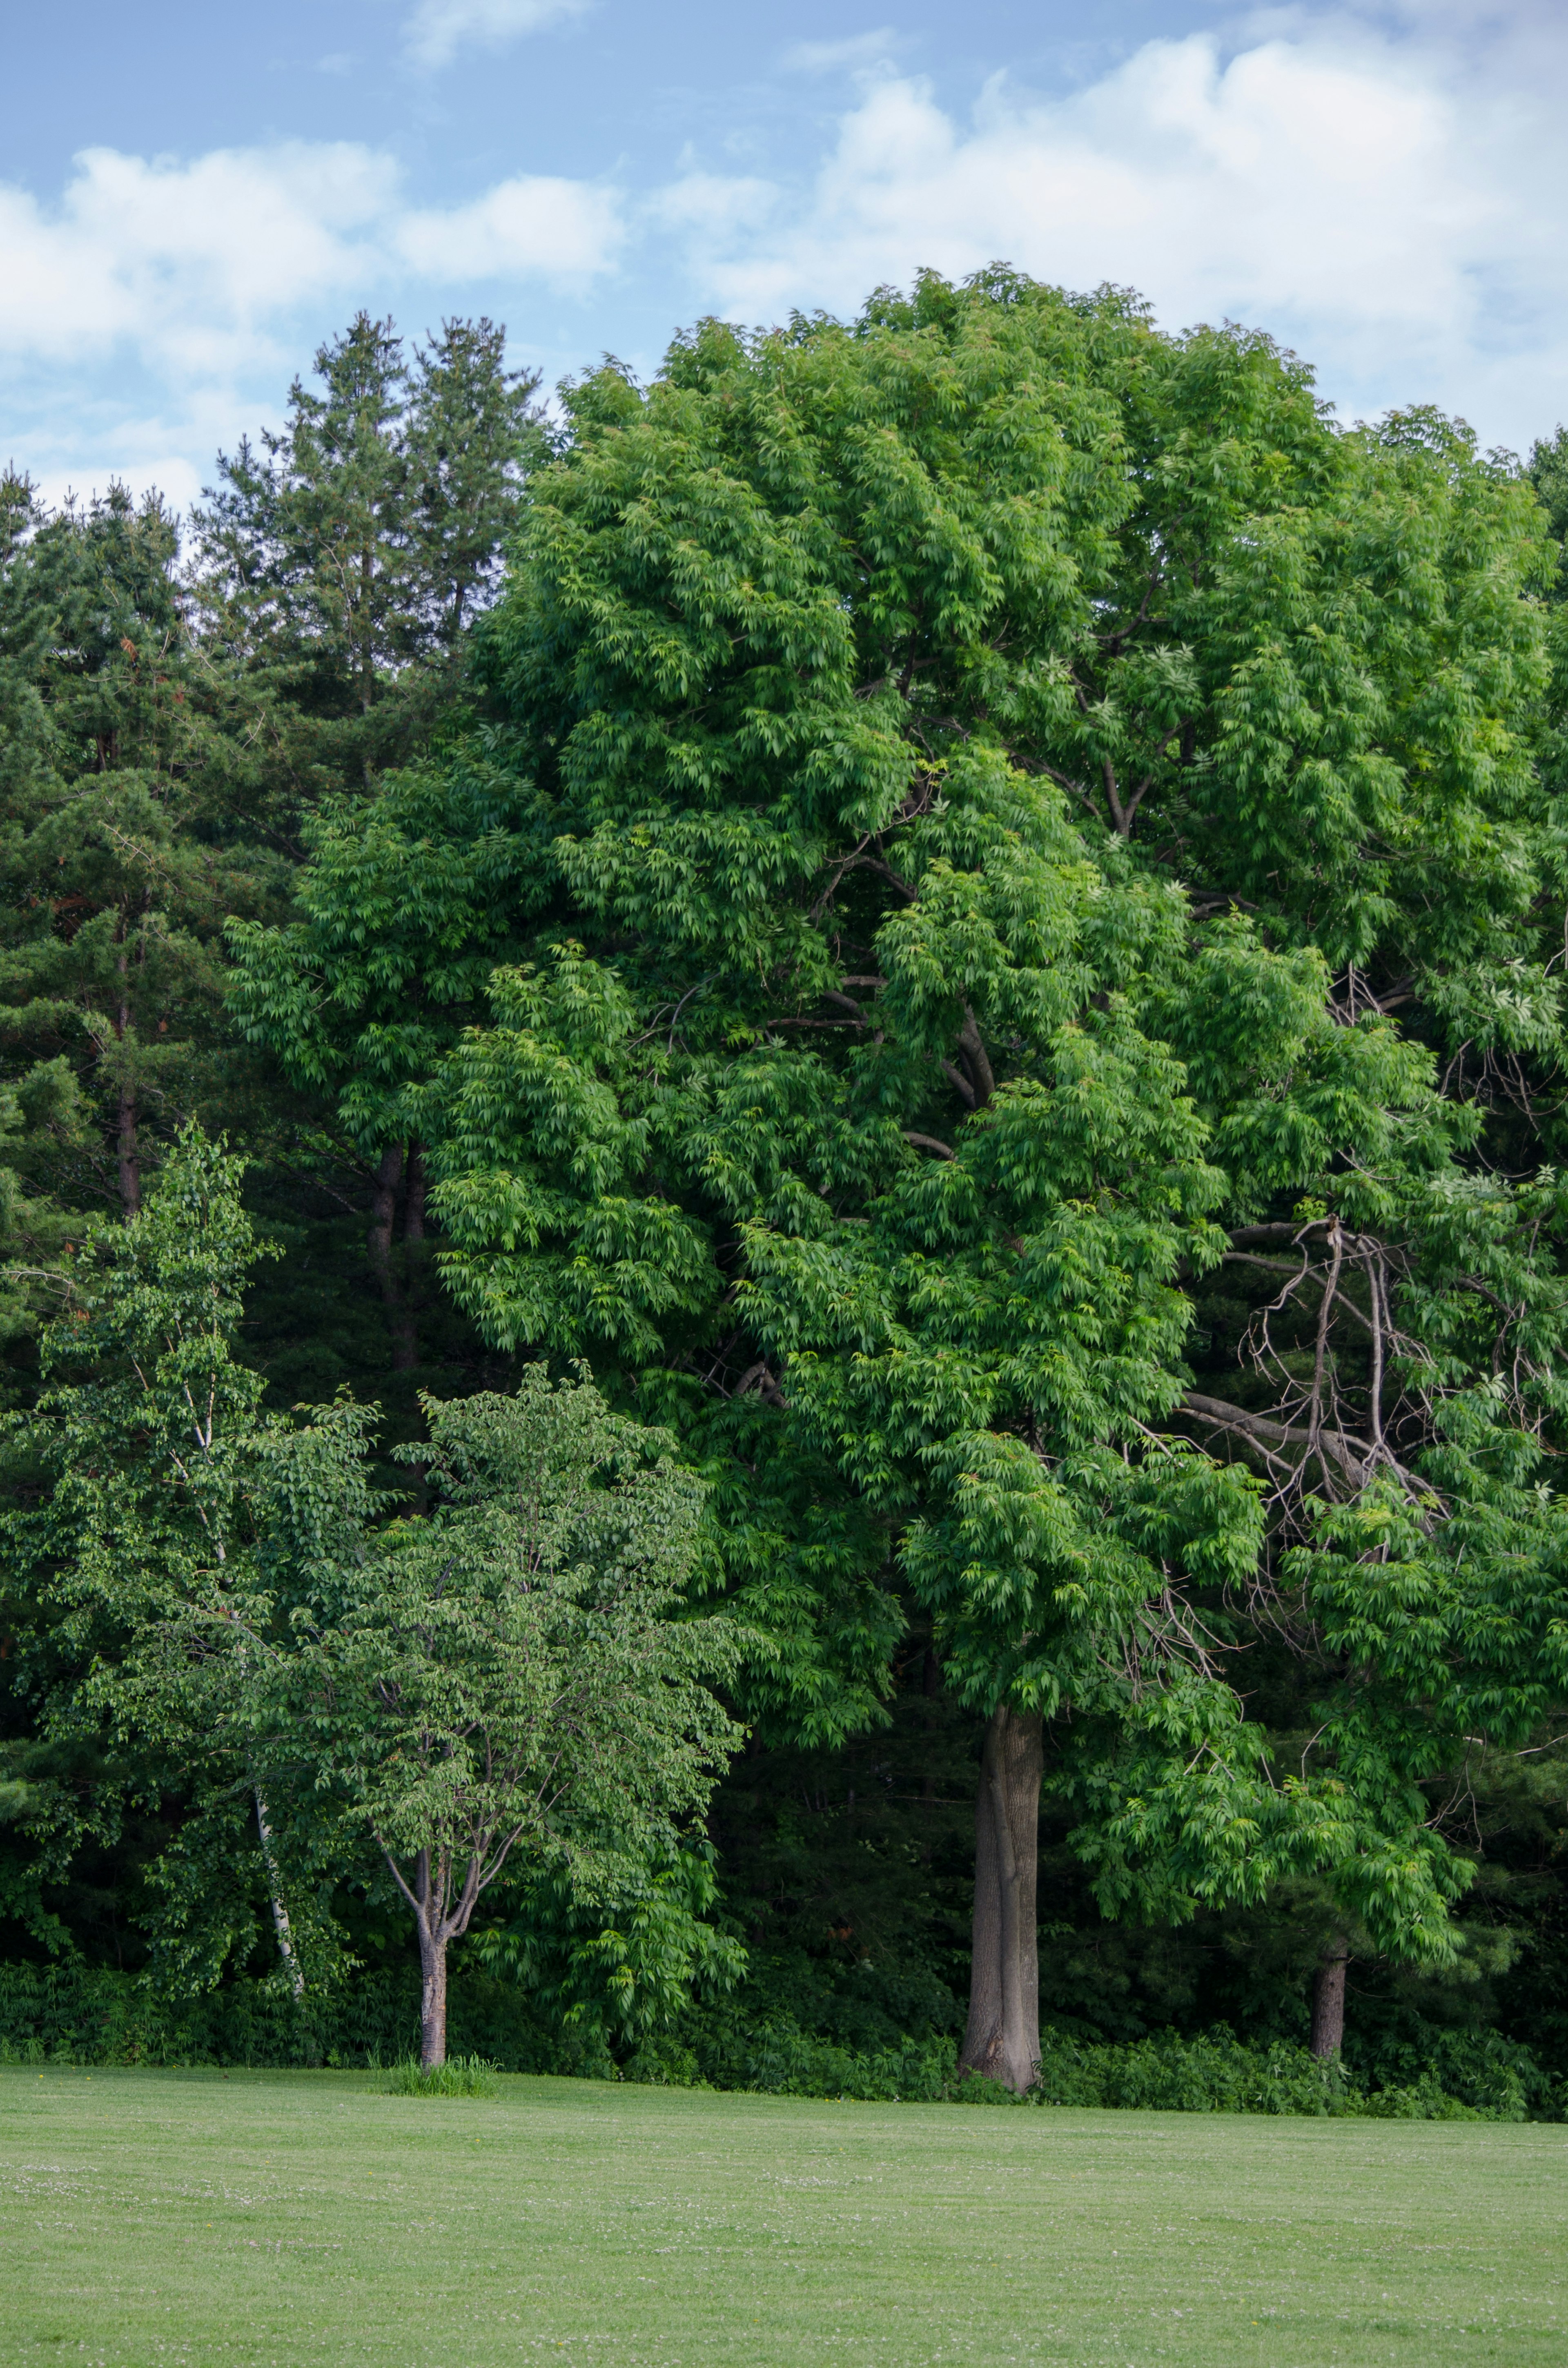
(132, 1517)
(499, 1688)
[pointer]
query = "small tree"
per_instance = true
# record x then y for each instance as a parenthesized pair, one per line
(500, 1683)
(128, 1536)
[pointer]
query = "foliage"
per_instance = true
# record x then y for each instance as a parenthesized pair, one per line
(623, 1980)
(493, 1686)
(122, 855)
(872, 1099)
(75, 2017)
(145, 1443)
(978, 927)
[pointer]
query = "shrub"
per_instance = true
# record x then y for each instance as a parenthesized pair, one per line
(83, 2014)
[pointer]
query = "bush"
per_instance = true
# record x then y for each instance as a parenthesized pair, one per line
(72, 2013)
(83, 2014)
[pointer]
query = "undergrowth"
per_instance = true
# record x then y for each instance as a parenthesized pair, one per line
(460, 2076)
(89, 2015)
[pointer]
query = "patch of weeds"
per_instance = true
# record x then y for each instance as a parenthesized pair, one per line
(460, 2076)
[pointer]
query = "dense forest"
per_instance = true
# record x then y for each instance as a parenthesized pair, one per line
(782, 1224)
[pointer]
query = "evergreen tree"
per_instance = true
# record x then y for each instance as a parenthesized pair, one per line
(120, 857)
(337, 564)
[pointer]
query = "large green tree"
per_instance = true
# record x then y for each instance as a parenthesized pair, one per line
(985, 771)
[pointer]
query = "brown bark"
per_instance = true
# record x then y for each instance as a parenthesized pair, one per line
(383, 1217)
(129, 1156)
(413, 1196)
(384, 1207)
(440, 1915)
(432, 1996)
(1328, 1998)
(1003, 2037)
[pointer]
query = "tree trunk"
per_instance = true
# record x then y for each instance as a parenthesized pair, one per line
(1328, 1998)
(383, 1214)
(413, 1196)
(281, 1924)
(438, 1919)
(383, 1209)
(130, 1159)
(1003, 2037)
(432, 1996)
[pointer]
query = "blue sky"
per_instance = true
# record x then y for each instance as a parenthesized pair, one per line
(192, 196)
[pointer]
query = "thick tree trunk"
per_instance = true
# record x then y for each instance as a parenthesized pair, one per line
(432, 1996)
(1328, 1998)
(1003, 2037)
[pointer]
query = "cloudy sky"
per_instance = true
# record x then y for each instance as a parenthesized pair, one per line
(192, 196)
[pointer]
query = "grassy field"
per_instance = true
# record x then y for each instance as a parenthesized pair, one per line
(266, 2219)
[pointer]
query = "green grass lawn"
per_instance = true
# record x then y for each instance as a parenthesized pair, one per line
(153, 2217)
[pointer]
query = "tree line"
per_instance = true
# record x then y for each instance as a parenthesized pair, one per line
(888, 1021)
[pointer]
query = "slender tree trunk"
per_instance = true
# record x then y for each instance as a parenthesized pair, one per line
(281, 1924)
(413, 1196)
(427, 1897)
(1003, 2037)
(130, 1159)
(1328, 1998)
(384, 1207)
(383, 1216)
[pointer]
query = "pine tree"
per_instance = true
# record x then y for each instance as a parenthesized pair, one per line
(120, 862)
(336, 566)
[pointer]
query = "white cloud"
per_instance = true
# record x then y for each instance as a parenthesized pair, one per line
(186, 261)
(438, 29)
(1395, 203)
(1397, 208)
(151, 313)
(534, 225)
(715, 206)
(852, 55)
(196, 267)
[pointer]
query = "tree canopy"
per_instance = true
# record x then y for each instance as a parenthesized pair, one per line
(979, 937)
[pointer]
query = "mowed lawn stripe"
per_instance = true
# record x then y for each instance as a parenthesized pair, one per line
(282, 2217)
